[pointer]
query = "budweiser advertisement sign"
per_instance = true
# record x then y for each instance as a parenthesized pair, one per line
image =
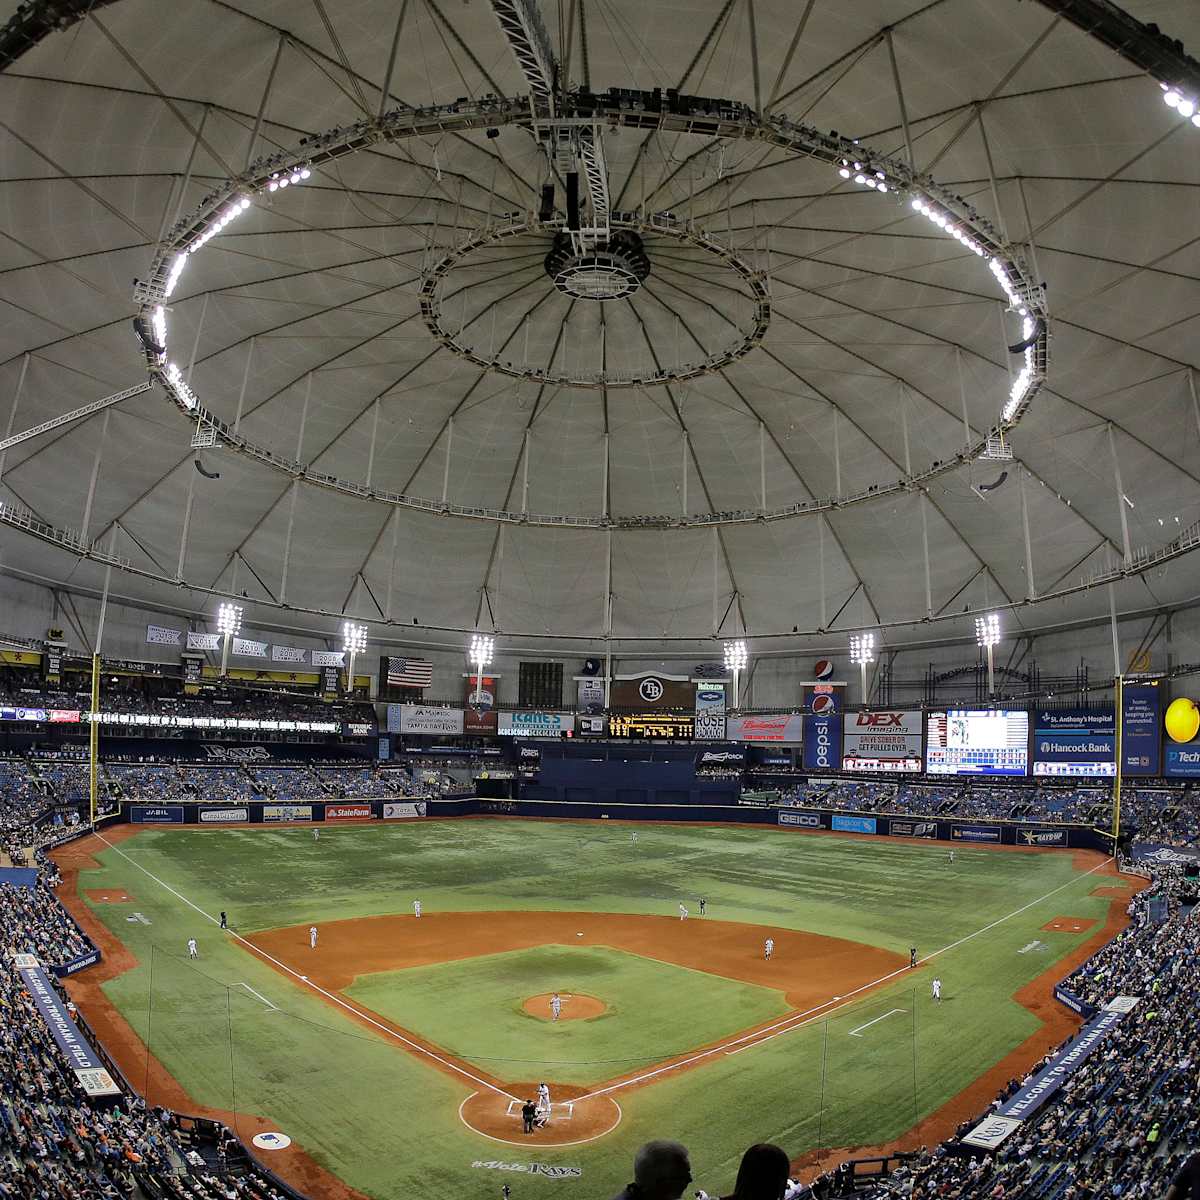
(781, 728)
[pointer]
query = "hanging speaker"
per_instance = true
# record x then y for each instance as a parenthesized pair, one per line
(591, 666)
(546, 209)
(573, 200)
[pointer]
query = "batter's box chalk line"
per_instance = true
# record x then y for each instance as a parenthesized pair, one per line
(566, 1107)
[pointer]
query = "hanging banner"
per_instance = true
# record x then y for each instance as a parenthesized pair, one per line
(822, 741)
(782, 728)
(249, 649)
(328, 658)
(480, 709)
(161, 635)
(1074, 742)
(882, 741)
(191, 672)
(590, 694)
(204, 641)
(710, 714)
(287, 654)
(331, 681)
(1141, 721)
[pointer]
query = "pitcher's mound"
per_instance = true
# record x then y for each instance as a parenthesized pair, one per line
(574, 1116)
(575, 1007)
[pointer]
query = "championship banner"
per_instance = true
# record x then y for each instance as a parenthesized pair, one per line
(425, 718)
(288, 654)
(1141, 720)
(822, 740)
(882, 741)
(781, 728)
(204, 641)
(328, 658)
(89, 1070)
(161, 635)
(248, 648)
(402, 810)
(479, 715)
(535, 724)
(710, 714)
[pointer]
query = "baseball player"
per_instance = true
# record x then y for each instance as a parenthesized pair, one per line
(937, 990)
(912, 956)
(768, 948)
(952, 856)
(224, 920)
(316, 835)
(683, 913)
(555, 1006)
(544, 1099)
(312, 937)
(192, 951)
(703, 905)
(416, 908)
(633, 837)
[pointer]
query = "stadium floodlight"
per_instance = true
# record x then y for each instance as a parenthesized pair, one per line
(480, 654)
(862, 651)
(987, 634)
(736, 658)
(229, 625)
(354, 642)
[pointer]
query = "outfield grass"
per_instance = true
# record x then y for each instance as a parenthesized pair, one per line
(473, 1008)
(388, 1124)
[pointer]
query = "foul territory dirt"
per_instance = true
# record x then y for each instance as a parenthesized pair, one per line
(573, 1006)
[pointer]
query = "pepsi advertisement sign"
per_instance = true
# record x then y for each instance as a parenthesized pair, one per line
(1074, 742)
(1141, 717)
(822, 741)
(823, 696)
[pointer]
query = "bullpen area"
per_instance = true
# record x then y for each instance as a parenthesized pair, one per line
(397, 1051)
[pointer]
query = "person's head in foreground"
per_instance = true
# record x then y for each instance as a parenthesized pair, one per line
(763, 1174)
(661, 1171)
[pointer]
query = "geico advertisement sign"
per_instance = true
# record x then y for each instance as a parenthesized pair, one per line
(535, 724)
(347, 812)
(223, 816)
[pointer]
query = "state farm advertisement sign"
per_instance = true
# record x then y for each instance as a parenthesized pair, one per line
(782, 728)
(882, 741)
(347, 812)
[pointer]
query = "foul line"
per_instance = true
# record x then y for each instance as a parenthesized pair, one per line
(891, 1013)
(799, 1020)
(272, 1007)
(350, 1008)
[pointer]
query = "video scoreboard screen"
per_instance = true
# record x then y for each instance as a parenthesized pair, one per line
(977, 742)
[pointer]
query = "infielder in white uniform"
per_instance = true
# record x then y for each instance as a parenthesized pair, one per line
(683, 913)
(937, 990)
(192, 951)
(544, 1098)
(416, 908)
(555, 1006)
(768, 948)
(312, 937)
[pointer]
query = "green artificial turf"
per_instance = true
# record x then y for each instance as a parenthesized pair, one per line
(388, 1124)
(473, 1007)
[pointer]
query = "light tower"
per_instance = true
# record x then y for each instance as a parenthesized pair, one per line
(736, 658)
(354, 642)
(480, 654)
(987, 634)
(862, 651)
(229, 625)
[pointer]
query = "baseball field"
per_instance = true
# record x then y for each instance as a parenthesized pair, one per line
(395, 1054)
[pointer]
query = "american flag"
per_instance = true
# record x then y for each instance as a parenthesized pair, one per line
(409, 672)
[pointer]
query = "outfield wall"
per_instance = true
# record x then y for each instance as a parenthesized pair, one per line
(943, 829)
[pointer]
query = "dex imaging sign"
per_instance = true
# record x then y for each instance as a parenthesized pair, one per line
(882, 741)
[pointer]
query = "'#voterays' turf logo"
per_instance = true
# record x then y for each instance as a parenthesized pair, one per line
(492, 1164)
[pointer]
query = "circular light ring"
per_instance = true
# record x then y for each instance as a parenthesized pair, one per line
(755, 289)
(734, 122)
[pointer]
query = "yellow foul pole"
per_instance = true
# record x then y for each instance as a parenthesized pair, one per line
(94, 734)
(1118, 709)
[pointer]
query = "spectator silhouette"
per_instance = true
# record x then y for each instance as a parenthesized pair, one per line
(763, 1174)
(661, 1171)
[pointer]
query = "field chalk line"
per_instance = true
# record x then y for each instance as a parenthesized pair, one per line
(890, 1013)
(350, 1008)
(272, 1007)
(786, 1025)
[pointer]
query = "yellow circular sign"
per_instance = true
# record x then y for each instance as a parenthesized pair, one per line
(1182, 720)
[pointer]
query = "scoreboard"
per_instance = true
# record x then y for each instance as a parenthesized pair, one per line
(977, 742)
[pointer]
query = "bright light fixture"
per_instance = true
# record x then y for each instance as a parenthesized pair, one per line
(482, 649)
(987, 629)
(229, 619)
(736, 656)
(862, 648)
(354, 638)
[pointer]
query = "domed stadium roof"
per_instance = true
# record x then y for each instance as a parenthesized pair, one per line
(630, 350)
